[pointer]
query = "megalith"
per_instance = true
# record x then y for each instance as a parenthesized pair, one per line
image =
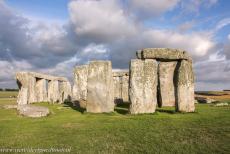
(121, 86)
(100, 87)
(41, 91)
(175, 86)
(53, 91)
(80, 85)
(166, 83)
(143, 86)
(37, 87)
(185, 87)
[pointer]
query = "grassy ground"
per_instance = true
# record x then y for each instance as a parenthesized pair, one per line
(205, 131)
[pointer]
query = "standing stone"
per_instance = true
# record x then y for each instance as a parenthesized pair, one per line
(117, 89)
(65, 91)
(53, 91)
(26, 84)
(41, 91)
(185, 87)
(143, 86)
(100, 87)
(125, 88)
(166, 83)
(80, 85)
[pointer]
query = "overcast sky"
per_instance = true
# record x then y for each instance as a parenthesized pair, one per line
(52, 36)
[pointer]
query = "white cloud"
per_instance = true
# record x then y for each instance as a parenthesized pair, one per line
(100, 20)
(222, 23)
(151, 8)
(196, 44)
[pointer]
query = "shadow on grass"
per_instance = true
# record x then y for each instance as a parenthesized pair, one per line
(170, 111)
(75, 107)
(122, 108)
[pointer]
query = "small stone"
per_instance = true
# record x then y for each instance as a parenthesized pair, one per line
(33, 111)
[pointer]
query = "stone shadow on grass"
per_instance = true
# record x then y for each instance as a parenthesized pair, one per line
(122, 108)
(170, 111)
(75, 106)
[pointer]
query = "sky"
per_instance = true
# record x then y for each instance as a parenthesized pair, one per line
(54, 36)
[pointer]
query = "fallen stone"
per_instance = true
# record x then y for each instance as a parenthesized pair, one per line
(166, 83)
(221, 104)
(185, 87)
(33, 111)
(205, 100)
(163, 54)
(143, 86)
(10, 106)
(100, 96)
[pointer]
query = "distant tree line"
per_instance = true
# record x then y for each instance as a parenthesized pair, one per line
(8, 89)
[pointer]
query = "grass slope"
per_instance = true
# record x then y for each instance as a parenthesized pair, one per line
(206, 131)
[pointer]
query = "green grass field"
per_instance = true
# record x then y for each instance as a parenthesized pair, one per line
(205, 131)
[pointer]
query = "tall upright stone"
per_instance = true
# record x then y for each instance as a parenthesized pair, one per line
(53, 91)
(166, 83)
(121, 86)
(65, 91)
(143, 86)
(80, 85)
(100, 87)
(125, 88)
(185, 87)
(26, 84)
(41, 91)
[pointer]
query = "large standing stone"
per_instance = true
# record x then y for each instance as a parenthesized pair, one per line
(117, 89)
(143, 86)
(185, 87)
(26, 84)
(41, 91)
(166, 83)
(53, 91)
(121, 86)
(65, 91)
(80, 85)
(125, 88)
(100, 87)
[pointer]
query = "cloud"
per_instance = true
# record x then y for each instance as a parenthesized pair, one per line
(222, 23)
(151, 8)
(194, 6)
(100, 21)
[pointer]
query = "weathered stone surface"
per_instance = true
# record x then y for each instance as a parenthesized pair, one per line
(41, 91)
(117, 89)
(121, 85)
(65, 91)
(166, 83)
(37, 87)
(100, 96)
(164, 54)
(53, 91)
(33, 111)
(205, 100)
(143, 86)
(80, 85)
(185, 87)
(125, 88)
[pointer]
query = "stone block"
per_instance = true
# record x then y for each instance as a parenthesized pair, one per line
(143, 86)
(166, 83)
(185, 87)
(163, 54)
(100, 97)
